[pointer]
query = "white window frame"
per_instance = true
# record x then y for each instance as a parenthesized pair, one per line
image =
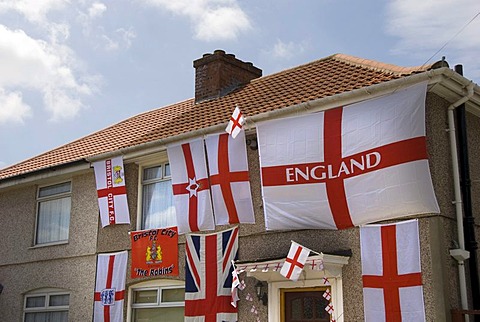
(39, 200)
(160, 160)
(46, 308)
(153, 285)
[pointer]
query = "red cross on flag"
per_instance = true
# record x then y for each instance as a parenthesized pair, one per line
(391, 272)
(208, 276)
(236, 122)
(296, 258)
(109, 294)
(347, 166)
(111, 191)
(191, 189)
(229, 179)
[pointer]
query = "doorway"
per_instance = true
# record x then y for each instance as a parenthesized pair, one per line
(304, 305)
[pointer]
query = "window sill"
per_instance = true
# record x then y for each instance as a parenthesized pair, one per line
(62, 242)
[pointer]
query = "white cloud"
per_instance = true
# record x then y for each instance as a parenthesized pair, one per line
(47, 68)
(121, 38)
(211, 19)
(34, 11)
(423, 27)
(12, 108)
(126, 35)
(288, 50)
(96, 10)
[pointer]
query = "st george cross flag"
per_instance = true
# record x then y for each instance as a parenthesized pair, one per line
(229, 179)
(347, 166)
(295, 261)
(236, 122)
(208, 276)
(235, 286)
(110, 287)
(191, 189)
(111, 191)
(391, 272)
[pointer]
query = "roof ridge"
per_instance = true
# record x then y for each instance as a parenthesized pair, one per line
(379, 66)
(283, 71)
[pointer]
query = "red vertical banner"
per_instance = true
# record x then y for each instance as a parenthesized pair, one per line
(154, 252)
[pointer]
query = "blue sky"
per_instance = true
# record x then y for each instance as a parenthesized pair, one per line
(70, 68)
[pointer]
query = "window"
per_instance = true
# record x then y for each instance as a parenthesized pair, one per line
(46, 306)
(53, 217)
(159, 301)
(158, 210)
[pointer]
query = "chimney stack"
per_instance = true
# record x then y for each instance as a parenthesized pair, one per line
(219, 73)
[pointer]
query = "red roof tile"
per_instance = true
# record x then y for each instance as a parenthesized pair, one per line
(325, 77)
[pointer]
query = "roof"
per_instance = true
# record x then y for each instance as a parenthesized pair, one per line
(329, 76)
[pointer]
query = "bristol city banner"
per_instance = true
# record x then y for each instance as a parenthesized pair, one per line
(154, 252)
(347, 166)
(111, 191)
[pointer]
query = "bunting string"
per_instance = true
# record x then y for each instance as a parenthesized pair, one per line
(313, 264)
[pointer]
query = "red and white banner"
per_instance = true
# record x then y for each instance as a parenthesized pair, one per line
(110, 287)
(111, 191)
(347, 166)
(191, 189)
(234, 126)
(391, 272)
(295, 261)
(229, 179)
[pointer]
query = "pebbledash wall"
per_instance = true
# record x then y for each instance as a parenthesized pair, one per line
(71, 266)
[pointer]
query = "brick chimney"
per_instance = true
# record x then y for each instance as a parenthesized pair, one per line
(219, 73)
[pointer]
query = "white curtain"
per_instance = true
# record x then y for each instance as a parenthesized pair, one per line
(53, 220)
(158, 209)
(46, 317)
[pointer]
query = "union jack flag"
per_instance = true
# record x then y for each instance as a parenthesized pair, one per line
(208, 276)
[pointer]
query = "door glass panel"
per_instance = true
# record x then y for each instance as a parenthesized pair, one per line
(308, 308)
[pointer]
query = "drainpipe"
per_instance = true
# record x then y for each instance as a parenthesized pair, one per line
(465, 182)
(459, 254)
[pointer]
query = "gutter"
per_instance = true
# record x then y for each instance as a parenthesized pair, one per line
(460, 254)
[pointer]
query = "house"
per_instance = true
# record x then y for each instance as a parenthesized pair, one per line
(48, 263)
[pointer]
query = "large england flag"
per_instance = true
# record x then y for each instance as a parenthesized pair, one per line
(229, 179)
(391, 272)
(347, 166)
(110, 287)
(191, 189)
(208, 276)
(111, 191)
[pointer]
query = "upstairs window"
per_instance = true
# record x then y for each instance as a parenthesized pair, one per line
(158, 210)
(53, 214)
(46, 306)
